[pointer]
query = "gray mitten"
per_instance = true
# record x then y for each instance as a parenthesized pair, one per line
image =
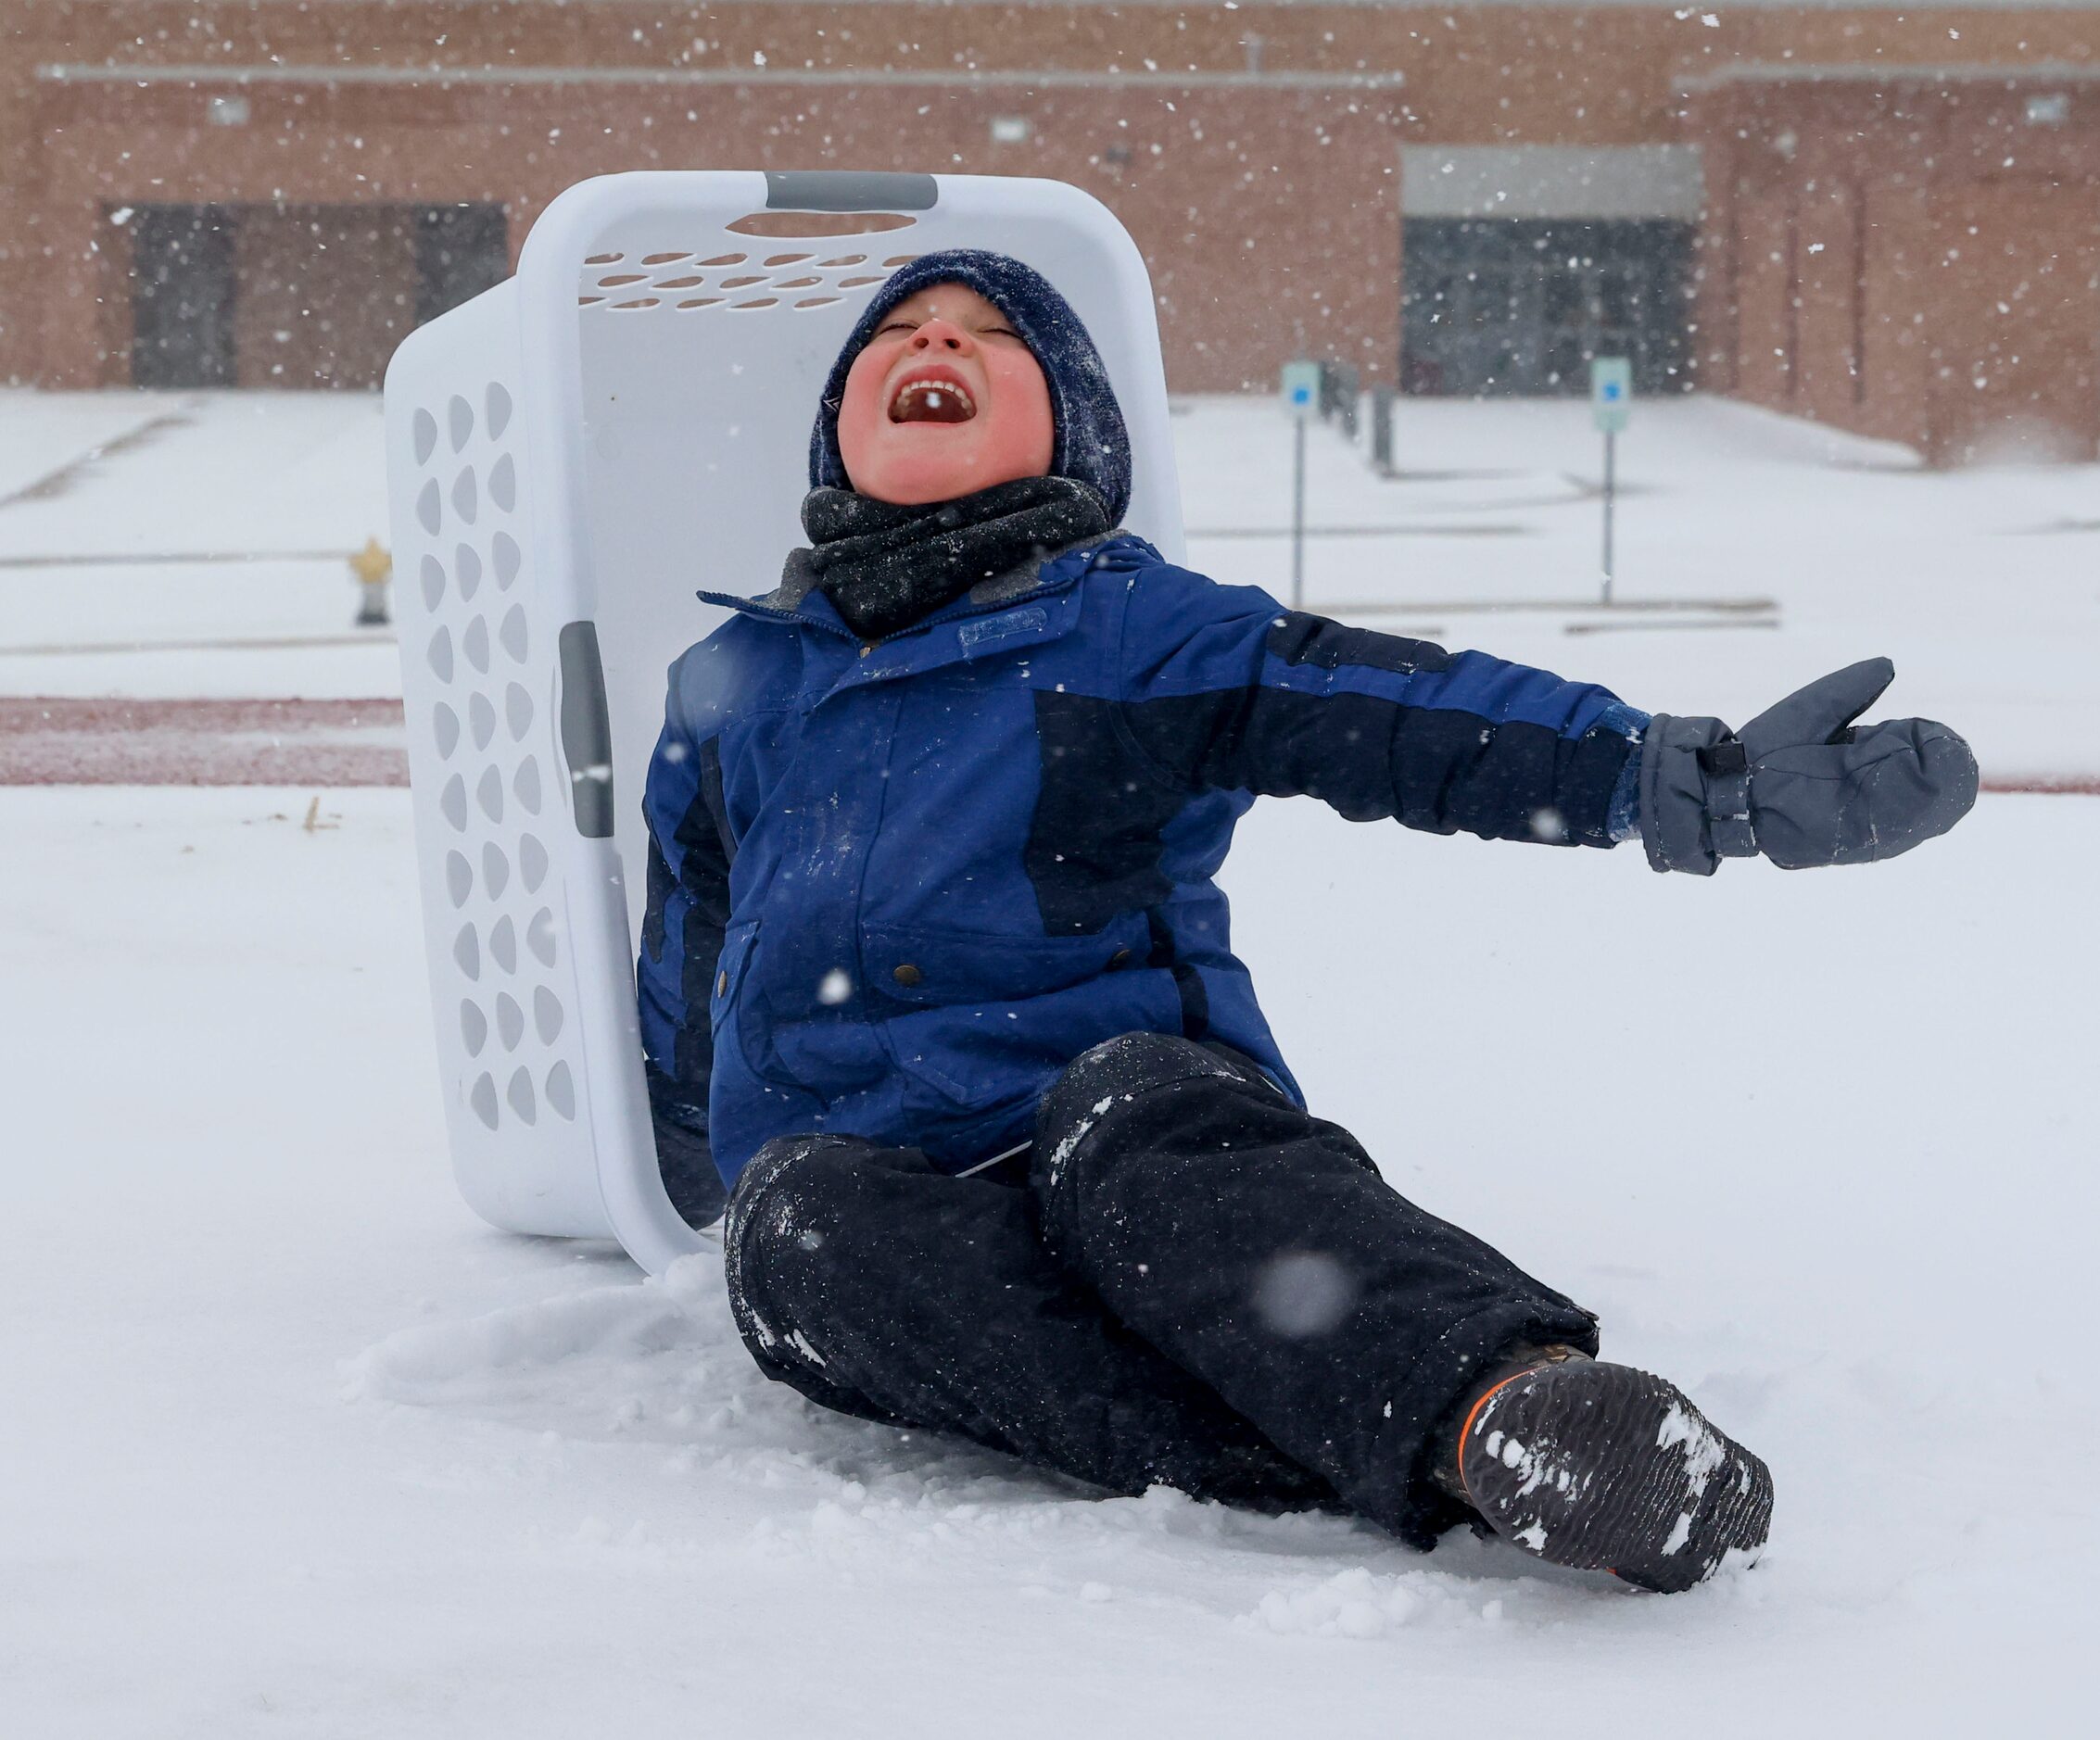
(1800, 783)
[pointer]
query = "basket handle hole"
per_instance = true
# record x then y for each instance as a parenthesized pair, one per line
(804, 223)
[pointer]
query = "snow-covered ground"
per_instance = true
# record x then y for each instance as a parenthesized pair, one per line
(291, 1444)
(189, 544)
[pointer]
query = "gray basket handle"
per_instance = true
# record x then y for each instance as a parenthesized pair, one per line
(586, 730)
(848, 190)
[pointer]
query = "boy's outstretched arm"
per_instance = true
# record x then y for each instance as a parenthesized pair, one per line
(1223, 688)
(681, 945)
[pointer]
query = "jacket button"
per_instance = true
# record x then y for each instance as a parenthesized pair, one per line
(722, 982)
(1120, 958)
(906, 975)
(865, 650)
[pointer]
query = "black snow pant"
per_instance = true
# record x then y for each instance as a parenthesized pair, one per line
(1196, 1284)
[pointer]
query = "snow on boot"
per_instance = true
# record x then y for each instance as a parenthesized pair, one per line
(1604, 1467)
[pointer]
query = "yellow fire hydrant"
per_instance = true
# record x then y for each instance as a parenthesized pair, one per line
(372, 567)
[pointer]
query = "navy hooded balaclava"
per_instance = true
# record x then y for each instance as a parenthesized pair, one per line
(1091, 446)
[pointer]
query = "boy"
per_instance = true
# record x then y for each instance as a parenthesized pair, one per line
(936, 980)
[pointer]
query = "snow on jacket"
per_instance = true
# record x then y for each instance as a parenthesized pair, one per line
(894, 889)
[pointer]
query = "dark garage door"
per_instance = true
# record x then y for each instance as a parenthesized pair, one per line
(183, 296)
(1513, 305)
(299, 296)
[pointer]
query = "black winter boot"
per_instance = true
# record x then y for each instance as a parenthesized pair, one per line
(1604, 1467)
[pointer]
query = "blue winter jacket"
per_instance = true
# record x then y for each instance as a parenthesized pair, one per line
(894, 889)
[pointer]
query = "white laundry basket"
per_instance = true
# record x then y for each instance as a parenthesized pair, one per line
(570, 456)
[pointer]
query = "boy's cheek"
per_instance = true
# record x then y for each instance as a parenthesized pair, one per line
(1021, 437)
(863, 383)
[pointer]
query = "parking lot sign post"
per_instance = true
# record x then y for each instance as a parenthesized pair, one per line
(1610, 407)
(1301, 399)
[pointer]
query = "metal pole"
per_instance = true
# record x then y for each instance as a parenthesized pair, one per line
(1298, 515)
(1610, 490)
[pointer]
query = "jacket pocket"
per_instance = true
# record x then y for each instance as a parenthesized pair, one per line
(738, 943)
(926, 967)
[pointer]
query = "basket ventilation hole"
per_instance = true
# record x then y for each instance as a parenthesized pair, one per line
(845, 259)
(482, 1100)
(430, 507)
(526, 783)
(499, 405)
(727, 260)
(466, 563)
(517, 710)
(539, 937)
(445, 722)
(433, 582)
(508, 559)
(817, 302)
(452, 803)
(503, 484)
(460, 414)
(545, 1015)
(532, 862)
(466, 502)
(459, 878)
(604, 259)
(481, 719)
(503, 944)
(490, 793)
(495, 869)
(509, 1021)
(474, 1027)
(662, 260)
(441, 654)
(512, 633)
(475, 643)
(562, 1091)
(520, 1096)
(425, 436)
(466, 951)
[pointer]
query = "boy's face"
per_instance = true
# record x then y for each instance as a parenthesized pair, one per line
(944, 400)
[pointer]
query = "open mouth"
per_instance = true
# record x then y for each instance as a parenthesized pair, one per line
(932, 399)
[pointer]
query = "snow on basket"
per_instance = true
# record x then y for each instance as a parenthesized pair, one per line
(570, 456)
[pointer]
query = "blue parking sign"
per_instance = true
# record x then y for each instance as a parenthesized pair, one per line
(1301, 388)
(1610, 393)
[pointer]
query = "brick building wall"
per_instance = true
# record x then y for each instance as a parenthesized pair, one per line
(1255, 152)
(1915, 256)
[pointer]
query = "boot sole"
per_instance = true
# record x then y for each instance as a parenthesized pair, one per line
(1604, 1467)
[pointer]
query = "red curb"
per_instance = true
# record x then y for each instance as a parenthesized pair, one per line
(53, 741)
(2050, 785)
